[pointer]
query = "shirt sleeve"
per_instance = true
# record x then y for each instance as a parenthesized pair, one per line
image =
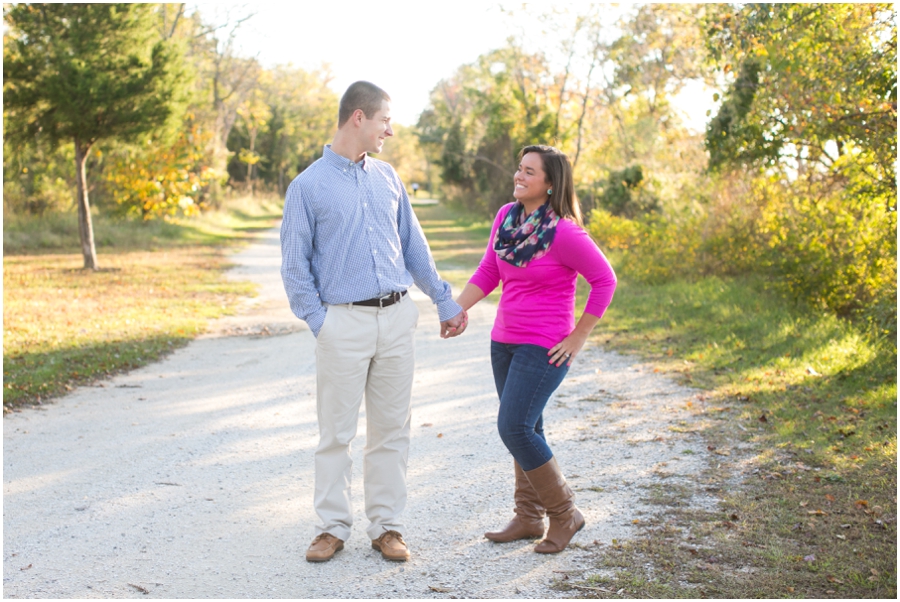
(298, 229)
(418, 259)
(581, 253)
(487, 276)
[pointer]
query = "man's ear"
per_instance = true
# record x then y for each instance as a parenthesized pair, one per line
(357, 117)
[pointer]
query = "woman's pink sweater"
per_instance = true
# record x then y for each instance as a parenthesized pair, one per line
(537, 304)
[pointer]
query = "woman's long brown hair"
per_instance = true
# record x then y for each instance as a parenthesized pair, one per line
(558, 171)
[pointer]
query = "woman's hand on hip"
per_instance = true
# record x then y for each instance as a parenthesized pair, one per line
(567, 349)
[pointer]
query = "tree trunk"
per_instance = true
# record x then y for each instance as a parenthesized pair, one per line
(253, 132)
(85, 227)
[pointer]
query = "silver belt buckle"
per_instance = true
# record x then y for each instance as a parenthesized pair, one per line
(381, 300)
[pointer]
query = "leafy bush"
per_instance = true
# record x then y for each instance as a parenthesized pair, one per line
(626, 193)
(837, 251)
(831, 247)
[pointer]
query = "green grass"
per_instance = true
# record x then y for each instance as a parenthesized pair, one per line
(813, 394)
(159, 284)
(457, 243)
(815, 513)
(806, 379)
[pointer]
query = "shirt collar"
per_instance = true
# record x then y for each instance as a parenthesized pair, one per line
(343, 162)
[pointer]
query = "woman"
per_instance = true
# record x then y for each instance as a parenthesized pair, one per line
(537, 248)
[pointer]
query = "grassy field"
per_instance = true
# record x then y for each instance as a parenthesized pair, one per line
(811, 512)
(159, 284)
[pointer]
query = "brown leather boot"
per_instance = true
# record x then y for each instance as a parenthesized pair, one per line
(529, 520)
(556, 496)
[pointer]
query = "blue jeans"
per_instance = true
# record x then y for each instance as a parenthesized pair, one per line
(525, 380)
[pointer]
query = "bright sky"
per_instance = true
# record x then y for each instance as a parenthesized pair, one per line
(404, 47)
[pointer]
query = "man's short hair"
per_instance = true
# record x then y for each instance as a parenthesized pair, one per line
(361, 95)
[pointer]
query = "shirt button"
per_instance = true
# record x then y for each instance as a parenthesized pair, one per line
(365, 205)
(375, 252)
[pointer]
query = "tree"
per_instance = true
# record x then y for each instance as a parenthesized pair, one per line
(228, 79)
(85, 73)
(481, 116)
(300, 117)
(255, 115)
(812, 105)
(812, 83)
(405, 154)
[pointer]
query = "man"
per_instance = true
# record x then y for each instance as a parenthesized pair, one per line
(351, 247)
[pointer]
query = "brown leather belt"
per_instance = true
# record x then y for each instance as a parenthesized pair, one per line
(385, 301)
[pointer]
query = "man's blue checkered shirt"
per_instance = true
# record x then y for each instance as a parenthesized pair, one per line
(349, 234)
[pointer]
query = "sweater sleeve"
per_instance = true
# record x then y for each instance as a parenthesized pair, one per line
(582, 254)
(487, 276)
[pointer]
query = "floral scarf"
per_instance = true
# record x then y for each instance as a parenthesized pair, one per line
(520, 243)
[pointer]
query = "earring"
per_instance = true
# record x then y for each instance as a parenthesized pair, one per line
(549, 191)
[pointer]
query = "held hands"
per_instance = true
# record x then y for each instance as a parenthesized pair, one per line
(455, 326)
(567, 349)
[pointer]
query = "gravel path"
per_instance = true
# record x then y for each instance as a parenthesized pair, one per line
(192, 477)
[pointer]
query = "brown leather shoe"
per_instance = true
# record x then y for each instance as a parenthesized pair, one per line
(323, 548)
(391, 546)
(529, 520)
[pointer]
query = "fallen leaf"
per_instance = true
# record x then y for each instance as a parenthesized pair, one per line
(829, 591)
(817, 512)
(763, 418)
(427, 424)
(833, 579)
(862, 503)
(143, 590)
(804, 504)
(25, 568)
(790, 589)
(829, 497)
(811, 371)
(874, 572)
(635, 521)
(442, 590)
(840, 537)
(440, 435)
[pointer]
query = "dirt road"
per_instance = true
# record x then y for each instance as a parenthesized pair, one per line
(192, 477)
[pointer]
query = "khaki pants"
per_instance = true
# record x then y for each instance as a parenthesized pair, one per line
(364, 350)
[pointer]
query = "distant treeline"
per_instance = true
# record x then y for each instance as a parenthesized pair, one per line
(794, 178)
